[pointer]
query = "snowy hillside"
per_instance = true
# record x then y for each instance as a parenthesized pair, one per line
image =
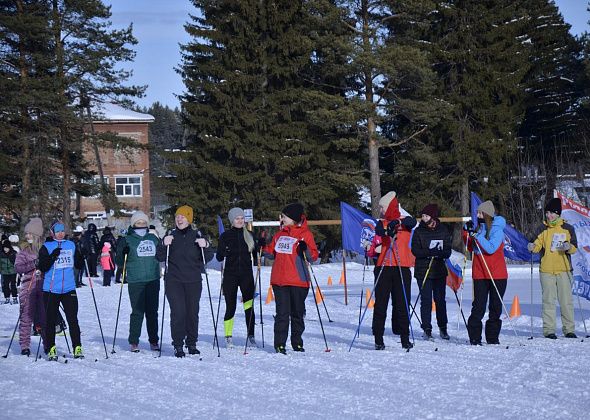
(536, 378)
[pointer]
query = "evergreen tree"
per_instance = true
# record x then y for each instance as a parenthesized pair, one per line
(266, 111)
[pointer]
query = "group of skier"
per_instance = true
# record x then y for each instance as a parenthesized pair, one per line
(49, 275)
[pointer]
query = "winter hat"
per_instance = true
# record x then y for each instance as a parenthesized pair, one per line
(554, 206)
(293, 211)
(186, 211)
(6, 244)
(487, 207)
(233, 213)
(431, 210)
(107, 245)
(91, 227)
(14, 239)
(35, 227)
(139, 215)
(106, 230)
(387, 199)
(79, 229)
(57, 227)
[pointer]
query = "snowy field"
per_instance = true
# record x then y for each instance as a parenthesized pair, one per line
(536, 378)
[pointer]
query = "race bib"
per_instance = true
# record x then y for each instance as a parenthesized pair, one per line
(65, 259)
(436, 244)
(146, 249)
(557, 241)
(285, 245)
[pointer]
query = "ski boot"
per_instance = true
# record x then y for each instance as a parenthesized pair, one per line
(52, 354)
(78, 353)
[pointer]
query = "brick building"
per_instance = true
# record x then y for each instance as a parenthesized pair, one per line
(126, 171)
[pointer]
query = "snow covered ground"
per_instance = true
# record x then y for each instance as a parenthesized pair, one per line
(536, 378)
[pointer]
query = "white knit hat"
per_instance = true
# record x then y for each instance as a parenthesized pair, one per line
(137, 216)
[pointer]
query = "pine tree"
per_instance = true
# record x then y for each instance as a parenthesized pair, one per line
(269, 123)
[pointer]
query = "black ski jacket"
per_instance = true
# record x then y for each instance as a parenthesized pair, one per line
(431, 243)
(233, 247)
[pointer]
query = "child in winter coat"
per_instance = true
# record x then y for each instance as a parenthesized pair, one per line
(490, 276)
(7, 260)
(235, 247)
(291, 246)
(142, 273)
(106, 262)
(557, 242)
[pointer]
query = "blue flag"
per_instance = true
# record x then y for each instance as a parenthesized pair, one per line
(357, 227)
(515, 243)
(220, 225)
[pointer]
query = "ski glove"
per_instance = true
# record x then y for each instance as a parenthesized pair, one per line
(379, 229)
(530, 246)
(391, 228)
(566, 246)
(261, 242)
(55, 253)
(301, 248)
(126, 250)
(468, 227)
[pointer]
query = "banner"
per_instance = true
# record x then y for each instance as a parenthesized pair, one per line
(515, 243)
(357, 227)
(220, 225)
(579, 217)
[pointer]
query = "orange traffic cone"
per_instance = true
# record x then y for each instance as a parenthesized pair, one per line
(319, 297)
(341, 278)
(515, 309)
(329, 280)
(269, 297)
(370, 303)
(433, 306)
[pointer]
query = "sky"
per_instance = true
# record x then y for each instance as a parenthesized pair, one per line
(159, 28)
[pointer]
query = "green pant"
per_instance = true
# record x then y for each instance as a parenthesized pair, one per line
(144, 298)
(557, 286)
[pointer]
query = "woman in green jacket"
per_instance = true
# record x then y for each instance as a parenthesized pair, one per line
(142, 273)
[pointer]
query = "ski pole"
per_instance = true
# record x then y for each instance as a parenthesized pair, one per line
(363, 286)
(46, 311)
(420, 293)
(119, 305)
(316, 283)
(20, 313)
(164, 301)
(463, 281)
(260, 295)
(316, 303)
(250, 318)
(579, 303)
(497, 291)
(401, 279)
(460, 308)
(357, 332)
(210, 301)
(216, 322)
(96, 308)
(531, 337)
(64, 331)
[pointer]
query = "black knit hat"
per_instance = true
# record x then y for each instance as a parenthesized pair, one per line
(6, 244)
(431, 210)
(293, 211)
(554, 206)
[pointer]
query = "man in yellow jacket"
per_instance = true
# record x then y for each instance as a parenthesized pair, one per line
(557, 242)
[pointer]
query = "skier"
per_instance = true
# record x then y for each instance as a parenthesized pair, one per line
(236, 246)
(77, 240)
(557, 242)
(489, 268)
(7, 259)
(183, 281)
(395, 259)
(431, 245)
(90, 249)
(290, 275)
(143, 276)
(31, 286)
(57, 259)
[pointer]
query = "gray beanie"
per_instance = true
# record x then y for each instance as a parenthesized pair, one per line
(137, 216)
(487, 207)
(233, 213)
(35, 226)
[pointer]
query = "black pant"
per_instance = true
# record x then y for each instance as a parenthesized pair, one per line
(118, 274)
(69, 302)
(230, 293)
(433, 289)
(106, 277)
(390, 284)
(9, 285)
(92, 260)
(184, 311)
(481, 290)
(290, 305)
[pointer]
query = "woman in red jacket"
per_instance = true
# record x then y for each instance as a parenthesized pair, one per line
(290, 275)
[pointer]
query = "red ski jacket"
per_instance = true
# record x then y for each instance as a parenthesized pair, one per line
(289, 269)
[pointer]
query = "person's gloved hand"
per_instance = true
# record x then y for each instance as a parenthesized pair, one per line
(379, 229)
(392, 228)
(566, 246)
(126, 250)
(55, 253)
(301, 248)
(366, 245)
(530, 246)
(202, 242)
(468, 227)
(168, 240)
(261, 242)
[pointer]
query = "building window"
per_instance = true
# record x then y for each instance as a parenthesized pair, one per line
(128, 186)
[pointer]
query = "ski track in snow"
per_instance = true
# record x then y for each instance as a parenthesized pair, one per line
(536, 378)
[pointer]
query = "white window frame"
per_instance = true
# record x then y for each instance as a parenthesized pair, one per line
(116, 184)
